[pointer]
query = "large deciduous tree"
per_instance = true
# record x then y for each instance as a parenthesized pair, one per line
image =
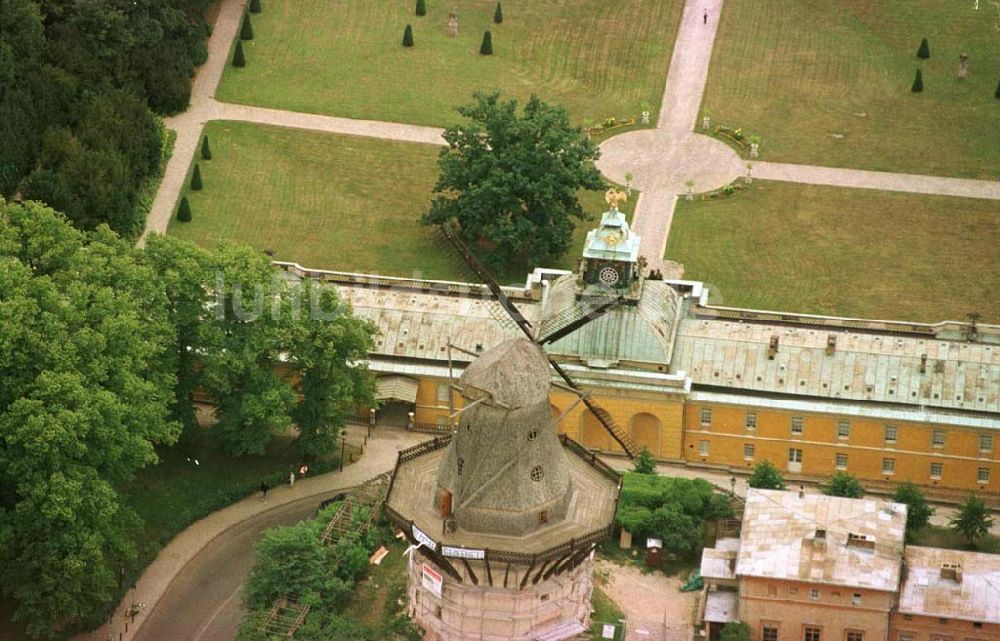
(85, 390)
(918, 512)
(510, 178)
(973, 520)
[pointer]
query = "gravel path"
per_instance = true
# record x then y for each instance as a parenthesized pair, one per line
(655, 608)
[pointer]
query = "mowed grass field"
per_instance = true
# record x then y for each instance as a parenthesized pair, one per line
(800, 72)
(331, 201)
(846, 252)
(596, 58)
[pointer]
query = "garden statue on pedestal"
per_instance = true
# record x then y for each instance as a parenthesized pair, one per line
(963, 65)
(453, 24)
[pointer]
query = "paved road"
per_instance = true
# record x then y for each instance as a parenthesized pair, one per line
(203, 602)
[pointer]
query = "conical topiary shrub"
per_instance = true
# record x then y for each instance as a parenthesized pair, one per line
(421, 8)
(255, 6)
(246, 31)
(206, 151)
(924, 51)
(918, 83)
(408, 36)
(239, 60)
(196, 178)
(498, 14)
(487, 47)
(184, 211)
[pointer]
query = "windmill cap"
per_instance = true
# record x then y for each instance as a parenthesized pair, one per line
(513, 374)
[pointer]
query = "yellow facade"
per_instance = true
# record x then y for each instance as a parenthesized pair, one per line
(873, 450)
(673, 427)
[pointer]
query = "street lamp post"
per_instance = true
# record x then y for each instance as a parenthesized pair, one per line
(371, 420)
(343, 447)
(732, 486)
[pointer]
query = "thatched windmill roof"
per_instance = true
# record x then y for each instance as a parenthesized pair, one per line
(513, 374)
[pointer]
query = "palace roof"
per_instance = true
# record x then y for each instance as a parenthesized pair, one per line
(951, 584)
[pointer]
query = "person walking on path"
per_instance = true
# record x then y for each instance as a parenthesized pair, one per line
(704, 17)
(291, 479)
(263, 490)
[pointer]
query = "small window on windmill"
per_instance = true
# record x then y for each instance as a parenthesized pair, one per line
(461, 464)
(536, 473)
(543, 516)
(532, 435)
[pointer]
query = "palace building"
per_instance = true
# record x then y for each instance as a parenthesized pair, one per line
(713, 386)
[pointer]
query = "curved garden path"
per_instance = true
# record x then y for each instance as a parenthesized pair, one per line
(662, 160)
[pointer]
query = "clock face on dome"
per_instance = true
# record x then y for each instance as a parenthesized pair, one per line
(608, 275)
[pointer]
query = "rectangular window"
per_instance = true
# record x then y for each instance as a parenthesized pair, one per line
(937, 438)
(794, 455)
(442, 421)
(772, 590)
(985, 442)
(793, 590)
(905, 636)
(854, 635)
(748, 451)
(811, 634)
(703, 448)
(706, 417)
(856, 599)
(750, 422)
(797, 425)
(936, 470)
(888, 466)
(841, 461)
(983, 475)
(814, 594)
(890, 433)
(769, 633)
(443, 391)
(843, 429)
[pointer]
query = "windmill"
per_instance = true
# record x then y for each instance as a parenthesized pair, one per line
(589, 309)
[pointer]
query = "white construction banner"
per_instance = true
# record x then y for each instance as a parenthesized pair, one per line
(463, 553)
(420, 537)
(431, 580)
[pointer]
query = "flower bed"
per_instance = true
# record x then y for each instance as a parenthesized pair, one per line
(735, 138)
(732, 188)
(610, 123)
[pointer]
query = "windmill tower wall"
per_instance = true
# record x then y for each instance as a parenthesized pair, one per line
(469, 612)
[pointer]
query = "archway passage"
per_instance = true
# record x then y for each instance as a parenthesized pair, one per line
(397, 397)
(645, 431)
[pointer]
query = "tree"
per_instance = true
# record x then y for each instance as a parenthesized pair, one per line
(255, 6)
(408, 36)
(644, 463)
(766, 477)
(324, 347)
(486, 48)
(246, 31)
(239, 59)
(735, 631)
(973, 520)
(85, 392)
(510, 178)
(924, 51)
(421, 8)
(196, 178)
(918, 83)
(184, 210)
(844, 484)
(918, 511)
(498, 14)
(206, 151)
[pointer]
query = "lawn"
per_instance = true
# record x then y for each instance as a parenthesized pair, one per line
(837, 91)
(331, 201)
(845, 252)
(596, 58)
(944, 537)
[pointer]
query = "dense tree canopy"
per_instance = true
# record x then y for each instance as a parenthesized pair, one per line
(85, 389)
(510, 178)
(80, 84)
(918, 512)
(671, 509)
(844, 484)
(973, 520)
(102, 346)
(766, 477)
